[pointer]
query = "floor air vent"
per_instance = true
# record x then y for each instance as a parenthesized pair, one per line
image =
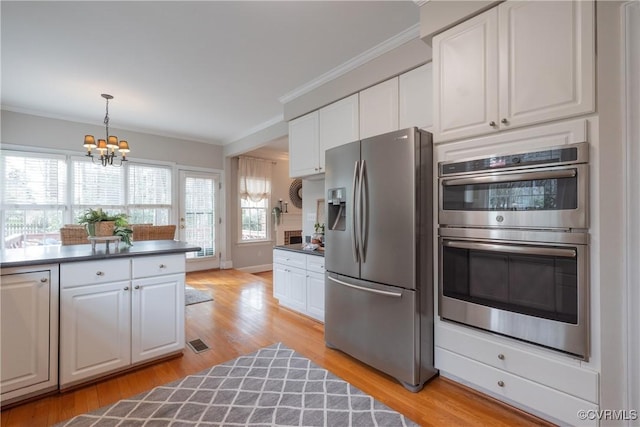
(198, 346)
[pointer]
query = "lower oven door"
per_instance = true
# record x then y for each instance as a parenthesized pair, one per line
(529, 290)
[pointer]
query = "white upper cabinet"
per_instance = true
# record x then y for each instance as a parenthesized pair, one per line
(304, 145)
(314, 133)
(416, 98)
(379, 109)
(518, 64)
(547, 58)
(339, 124)
(465, 78)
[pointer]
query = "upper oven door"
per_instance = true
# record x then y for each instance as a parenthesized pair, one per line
(547, 198)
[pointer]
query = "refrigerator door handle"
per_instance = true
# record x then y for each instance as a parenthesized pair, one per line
(362, 288)
(364, 221)
(354, 218)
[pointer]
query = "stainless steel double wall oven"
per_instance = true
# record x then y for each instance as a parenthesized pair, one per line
(513, 246)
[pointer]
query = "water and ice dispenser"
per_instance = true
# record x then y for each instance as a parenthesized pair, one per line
(337, 209)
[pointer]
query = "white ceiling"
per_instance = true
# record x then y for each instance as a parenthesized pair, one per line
(204, 71)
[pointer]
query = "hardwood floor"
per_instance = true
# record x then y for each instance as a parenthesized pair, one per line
(244, 317)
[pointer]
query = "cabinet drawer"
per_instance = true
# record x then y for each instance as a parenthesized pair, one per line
(566, 376)
(315, 264)
(157, 265)
(93, 272)
(513, 389)
(292, 259)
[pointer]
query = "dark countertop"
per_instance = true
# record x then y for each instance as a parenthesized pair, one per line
(35, 255)
(297, 247)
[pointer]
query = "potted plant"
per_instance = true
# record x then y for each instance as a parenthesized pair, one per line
(318, 236)
(100, 223)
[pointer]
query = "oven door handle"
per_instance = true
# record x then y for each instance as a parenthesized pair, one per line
(525, 176)
(524, 250)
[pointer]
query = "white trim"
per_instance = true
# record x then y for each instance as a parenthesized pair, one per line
(264, 125)
(226, 265)
(355, 62)
(256, 268)
(631, 128)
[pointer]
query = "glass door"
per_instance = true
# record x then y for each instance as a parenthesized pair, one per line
(199, 216)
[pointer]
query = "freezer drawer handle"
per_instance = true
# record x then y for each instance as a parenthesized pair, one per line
(373, 291)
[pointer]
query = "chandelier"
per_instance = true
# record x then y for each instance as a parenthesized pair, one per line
(106, 147)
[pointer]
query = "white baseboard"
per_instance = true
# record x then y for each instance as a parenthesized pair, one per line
(225, 265)
(257, 268)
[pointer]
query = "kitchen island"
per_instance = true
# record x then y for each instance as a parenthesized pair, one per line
(89, 313)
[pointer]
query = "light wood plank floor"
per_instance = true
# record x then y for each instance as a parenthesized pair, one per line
(244, 317)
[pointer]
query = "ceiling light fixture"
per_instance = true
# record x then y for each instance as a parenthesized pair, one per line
(107, 147)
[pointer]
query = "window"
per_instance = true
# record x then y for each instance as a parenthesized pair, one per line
(33, 198)
(94, 185)
(149, 198)
(41, 193)
(254, 186)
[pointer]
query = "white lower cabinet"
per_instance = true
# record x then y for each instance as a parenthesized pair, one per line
(115, 313)
(29, 331)
(298, 282)
(550, 386)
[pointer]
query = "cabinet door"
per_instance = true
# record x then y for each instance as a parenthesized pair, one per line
(24, 329)
(315, 296)
(280, 290)
(379, 109)
(95, 330)
(416, 97)
(297, 285)
(546, 61)
(339, 124)
(157, 316)
(304, 146)
(465, 78)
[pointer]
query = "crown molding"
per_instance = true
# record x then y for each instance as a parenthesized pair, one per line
(357, 61)
(420, 2)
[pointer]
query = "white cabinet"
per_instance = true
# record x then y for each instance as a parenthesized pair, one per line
(379, 109)
(111, 319)
(415, 98)
(339, 124)
(518, 64)
(533, 379)
(298, 282)
(304, 145)
(312, 134)
(29, 331)
(157, 307)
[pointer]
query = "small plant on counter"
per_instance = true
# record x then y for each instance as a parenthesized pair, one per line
(90, 217)
(319, 227)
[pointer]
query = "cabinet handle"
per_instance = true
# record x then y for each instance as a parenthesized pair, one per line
(492, 124)
(126, 288)
(501, 356)
(505, 121)
(315, 169)
(137, 287)
(44, 280)
(99, 273)
(163, 266)
(500, 383)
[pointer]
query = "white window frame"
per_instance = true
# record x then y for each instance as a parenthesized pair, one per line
(268, 237)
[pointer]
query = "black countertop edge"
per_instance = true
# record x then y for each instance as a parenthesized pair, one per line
(35, 255)
(297, 247)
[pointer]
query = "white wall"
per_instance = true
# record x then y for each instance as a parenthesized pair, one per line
(312, 190)
(35, 131)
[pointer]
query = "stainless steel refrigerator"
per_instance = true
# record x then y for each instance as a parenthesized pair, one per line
(379, 254)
